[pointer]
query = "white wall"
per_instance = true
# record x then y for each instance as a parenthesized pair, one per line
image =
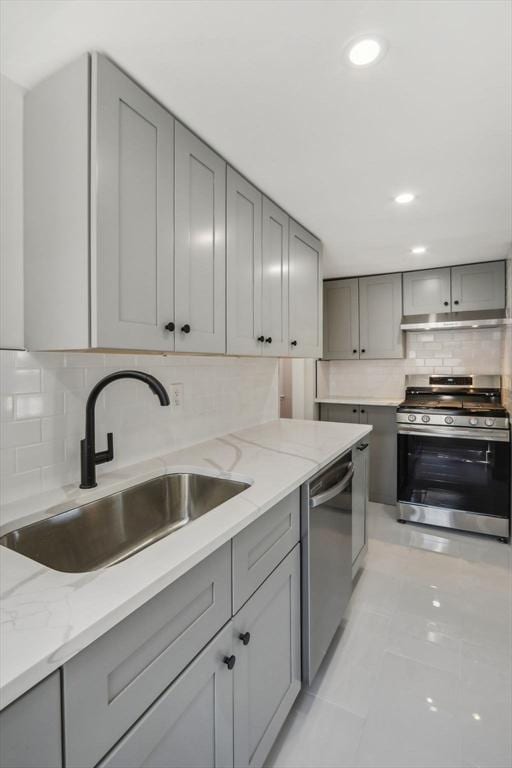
(11, 214)
(439, 352)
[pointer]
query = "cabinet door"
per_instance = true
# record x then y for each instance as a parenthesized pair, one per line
(427, 292)
(267, 671)
(243, 249)
(274, 309)
(380, 312)
(305, 293)
(30, 728)
(346, 414)
(341, 319)
(359, 498)
(478, 287)
(200, 248)
(131, 233)
(191, 724)
(382, 461)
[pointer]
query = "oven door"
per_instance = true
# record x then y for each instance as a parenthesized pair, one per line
(456, 469)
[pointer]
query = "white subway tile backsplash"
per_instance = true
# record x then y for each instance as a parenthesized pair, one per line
(38, 405)
(42, 416)
(442, 352)
(15, 433)
(39, 455)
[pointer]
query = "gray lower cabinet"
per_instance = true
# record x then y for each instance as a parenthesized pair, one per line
(191, 724)
(345, 414)
(114, 680)
(267, 679)
(383, 444)
(260, 547)
(30, 728)
(359, 503)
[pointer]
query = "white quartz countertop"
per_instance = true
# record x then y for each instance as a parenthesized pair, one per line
(48, 616)
(342, 400)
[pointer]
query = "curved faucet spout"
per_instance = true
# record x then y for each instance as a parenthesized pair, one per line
(89, 456)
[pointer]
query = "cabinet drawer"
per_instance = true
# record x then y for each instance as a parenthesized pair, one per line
(258, 549)
(113, 681)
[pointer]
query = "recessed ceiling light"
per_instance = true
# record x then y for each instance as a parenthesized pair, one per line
(419, 249)
(404, 197)
(365, 51)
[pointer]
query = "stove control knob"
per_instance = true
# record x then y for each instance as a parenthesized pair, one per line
(473, 421)
(448, 419)
(489, 422)
(425, 419)
(411, 417)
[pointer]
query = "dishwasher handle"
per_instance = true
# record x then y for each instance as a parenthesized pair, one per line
(330, 493)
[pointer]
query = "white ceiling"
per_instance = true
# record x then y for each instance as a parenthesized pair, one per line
(266, 84)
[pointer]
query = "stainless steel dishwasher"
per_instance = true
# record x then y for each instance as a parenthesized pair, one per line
(326, 525)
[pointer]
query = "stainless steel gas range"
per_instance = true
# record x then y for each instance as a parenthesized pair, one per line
(454, 454)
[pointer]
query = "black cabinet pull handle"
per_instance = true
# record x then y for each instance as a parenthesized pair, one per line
(362, 410)
(293, 343)
(354, 351)
(269, 340)
(362, 446)
(446, 303)
(229, 661)
(261, 338)
(245, 637)
(363, 351)
(185, 328)
(169, 327)
(354, 410)
(456, 301)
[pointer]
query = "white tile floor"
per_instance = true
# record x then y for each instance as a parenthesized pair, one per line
(420, 677)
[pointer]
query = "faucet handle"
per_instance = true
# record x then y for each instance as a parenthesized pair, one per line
(102, 456)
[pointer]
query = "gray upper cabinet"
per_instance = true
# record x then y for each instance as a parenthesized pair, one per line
(200, 247)
(341, 319)
(305, 293)
(267, 679)
(191, 724)
(243, 243)
(478, 287)
(274, 296)
(427, 291)
(362, 318)
(131, 161)
(125, 232)
(98, 239)
(380, 312)
(31, 728)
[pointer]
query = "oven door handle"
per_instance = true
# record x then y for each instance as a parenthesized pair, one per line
(333, 491)
(490, 435)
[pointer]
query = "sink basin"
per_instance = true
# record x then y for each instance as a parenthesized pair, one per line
(115, 527)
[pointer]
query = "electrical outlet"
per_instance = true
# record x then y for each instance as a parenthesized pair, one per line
(176, 396)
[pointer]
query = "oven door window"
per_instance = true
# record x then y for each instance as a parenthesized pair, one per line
(454, 473)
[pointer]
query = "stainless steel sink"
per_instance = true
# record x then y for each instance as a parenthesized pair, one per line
(115, 527)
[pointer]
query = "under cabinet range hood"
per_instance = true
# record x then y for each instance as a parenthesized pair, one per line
(450, 320)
